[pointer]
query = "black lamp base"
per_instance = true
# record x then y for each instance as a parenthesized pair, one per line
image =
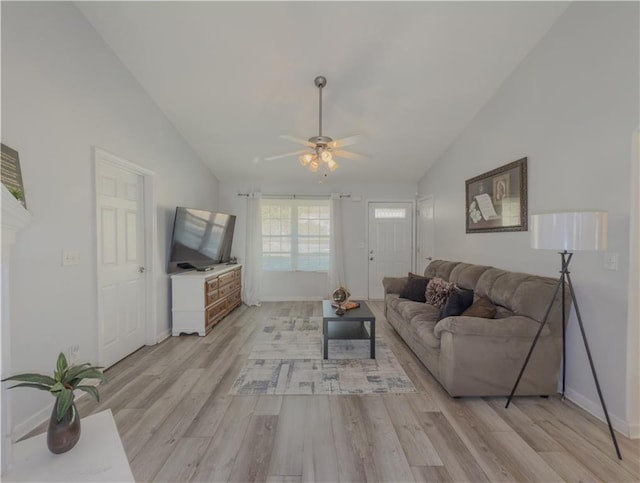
(565, 277)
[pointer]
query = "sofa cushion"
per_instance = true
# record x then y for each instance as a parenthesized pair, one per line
(438, 291)
(427, 313)
(439, 268)
(503, 312)
(459, 301)
(523, 294)
(409, 309)
(415, 289)
(466, 275)
(482, 307)
(394, 284)
(392, 300)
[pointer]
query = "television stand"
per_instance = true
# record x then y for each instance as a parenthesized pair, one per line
(201, 299)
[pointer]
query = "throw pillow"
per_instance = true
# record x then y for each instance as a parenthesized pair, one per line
(438, 291)
(415, 275)
(459, 301)
(415, 289)
(481, 308)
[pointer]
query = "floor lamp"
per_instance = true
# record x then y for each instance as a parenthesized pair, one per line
(568, 232)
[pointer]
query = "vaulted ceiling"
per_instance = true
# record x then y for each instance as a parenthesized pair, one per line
(408, 77)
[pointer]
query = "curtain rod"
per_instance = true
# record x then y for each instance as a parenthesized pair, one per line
(302, 197)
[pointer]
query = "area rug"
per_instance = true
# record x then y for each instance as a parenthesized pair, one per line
(286, 358)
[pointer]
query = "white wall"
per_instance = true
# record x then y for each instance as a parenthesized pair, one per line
(633, 329)
(63, 92)
(571, 107)
(305, 285)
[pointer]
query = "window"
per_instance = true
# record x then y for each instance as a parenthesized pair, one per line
(295, 235)
(381, 213)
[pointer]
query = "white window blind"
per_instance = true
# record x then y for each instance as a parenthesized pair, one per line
(295, 235)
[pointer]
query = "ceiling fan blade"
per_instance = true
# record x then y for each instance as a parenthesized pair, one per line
(348, 155)
(293, 153)
(348, 141)
(293, 139)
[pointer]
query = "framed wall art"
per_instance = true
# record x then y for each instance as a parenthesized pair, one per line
(497, 200)
(11, 174)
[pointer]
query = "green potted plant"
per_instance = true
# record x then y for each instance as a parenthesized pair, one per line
(64, 426)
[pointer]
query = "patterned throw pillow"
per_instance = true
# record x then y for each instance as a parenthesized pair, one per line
(438, 291)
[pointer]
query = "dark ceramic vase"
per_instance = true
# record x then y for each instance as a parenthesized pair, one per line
(64, 434)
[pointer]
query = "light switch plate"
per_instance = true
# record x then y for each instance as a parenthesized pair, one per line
(70, 258)
(611, 261)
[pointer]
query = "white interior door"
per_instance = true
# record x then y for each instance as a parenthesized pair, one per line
(121, 256)
(390, 242)
(426, 234)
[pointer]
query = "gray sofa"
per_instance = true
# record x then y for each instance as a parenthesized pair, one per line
(472, 356)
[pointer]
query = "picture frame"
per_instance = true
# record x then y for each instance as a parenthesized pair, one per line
(496, 201)
(12, 174)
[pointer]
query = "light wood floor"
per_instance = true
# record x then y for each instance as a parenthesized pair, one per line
(177, 423)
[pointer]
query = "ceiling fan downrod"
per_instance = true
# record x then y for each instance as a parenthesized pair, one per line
(320, 82)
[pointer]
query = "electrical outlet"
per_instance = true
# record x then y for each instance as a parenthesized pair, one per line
(70, 258)
(611, 261)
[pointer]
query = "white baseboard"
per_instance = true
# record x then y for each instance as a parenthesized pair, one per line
(25, 427)
(595, 409)
(306, 299)
(163, 335)
(290, 299)
(634, 431)
(20, 430)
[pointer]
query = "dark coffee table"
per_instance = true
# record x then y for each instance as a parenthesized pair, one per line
(349, 326)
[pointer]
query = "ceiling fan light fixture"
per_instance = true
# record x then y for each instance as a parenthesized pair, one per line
(321, 146)
(306, 158)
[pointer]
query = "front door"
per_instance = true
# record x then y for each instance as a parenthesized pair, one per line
(121, 256)
(424, 248)
(390, 242)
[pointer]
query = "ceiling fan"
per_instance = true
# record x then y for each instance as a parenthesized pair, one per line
(321, 150)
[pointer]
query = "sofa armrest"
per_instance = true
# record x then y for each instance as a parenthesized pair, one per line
(394, 284)
(515, 326)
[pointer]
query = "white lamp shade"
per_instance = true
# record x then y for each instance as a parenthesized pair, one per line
(581, 230)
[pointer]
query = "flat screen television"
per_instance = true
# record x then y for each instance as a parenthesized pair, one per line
(200, 240)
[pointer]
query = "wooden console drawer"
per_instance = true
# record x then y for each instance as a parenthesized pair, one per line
(226, 278)
(211, 284)
(210, 291)
(236, 299)
(225, 290)
(215, 313)
(211, 297)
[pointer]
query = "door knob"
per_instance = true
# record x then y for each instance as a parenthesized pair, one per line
(370, 258)
(141, 269)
